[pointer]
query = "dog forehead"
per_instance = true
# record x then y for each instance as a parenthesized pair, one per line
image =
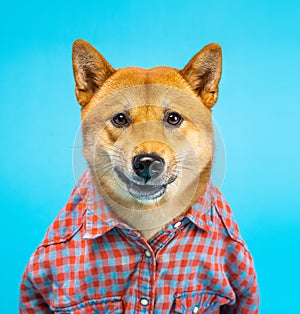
(132, 76)
(135, 86)
(132, 88)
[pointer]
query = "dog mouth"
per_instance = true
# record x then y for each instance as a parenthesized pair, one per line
(144, 192)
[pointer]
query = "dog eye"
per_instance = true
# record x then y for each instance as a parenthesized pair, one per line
(174, 118)
(120, 120)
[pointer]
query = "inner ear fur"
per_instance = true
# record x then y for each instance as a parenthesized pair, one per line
(90, 70)
(203, 73)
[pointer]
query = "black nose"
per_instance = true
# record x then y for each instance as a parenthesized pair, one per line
(148, 166)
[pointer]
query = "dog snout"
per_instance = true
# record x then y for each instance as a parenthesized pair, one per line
(148, 166)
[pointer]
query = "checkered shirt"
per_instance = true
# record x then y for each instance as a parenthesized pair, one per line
(94, 263)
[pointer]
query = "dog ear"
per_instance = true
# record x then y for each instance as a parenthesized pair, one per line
(90, 70)
(203, 73)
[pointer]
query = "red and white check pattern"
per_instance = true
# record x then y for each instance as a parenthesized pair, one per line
(89, 262)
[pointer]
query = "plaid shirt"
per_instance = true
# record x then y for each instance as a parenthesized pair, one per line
(90, 262)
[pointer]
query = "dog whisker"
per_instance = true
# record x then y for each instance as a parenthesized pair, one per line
(109, 166)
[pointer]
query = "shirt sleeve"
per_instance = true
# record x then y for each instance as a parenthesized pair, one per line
(247, 302)
(242, 277)
(238, 265)
(31, 299)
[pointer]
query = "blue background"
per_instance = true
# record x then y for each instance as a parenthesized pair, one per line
(257, 113)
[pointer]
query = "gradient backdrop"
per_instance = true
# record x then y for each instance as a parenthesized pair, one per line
(257, 112)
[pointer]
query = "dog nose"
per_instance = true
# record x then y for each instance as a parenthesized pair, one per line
(148, 166)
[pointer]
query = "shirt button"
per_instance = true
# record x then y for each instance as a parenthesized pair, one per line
(148, 253)
(195, 309)
(177, 224)
(144, 301)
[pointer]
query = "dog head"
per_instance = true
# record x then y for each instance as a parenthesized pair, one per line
(147, 133)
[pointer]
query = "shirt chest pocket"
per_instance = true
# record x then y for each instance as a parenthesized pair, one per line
(99, 306)
(199, 302)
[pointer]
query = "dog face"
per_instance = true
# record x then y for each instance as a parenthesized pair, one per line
(147, 133)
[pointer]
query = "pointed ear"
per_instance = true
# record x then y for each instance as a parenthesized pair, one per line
(90, 70)
(203, 73)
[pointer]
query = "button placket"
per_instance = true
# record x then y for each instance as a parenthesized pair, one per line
(146, 279)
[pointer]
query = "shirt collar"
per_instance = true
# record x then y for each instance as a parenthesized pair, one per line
(99, 219)
(201, 213)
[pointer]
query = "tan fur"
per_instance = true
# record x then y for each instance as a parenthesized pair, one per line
(147, 94)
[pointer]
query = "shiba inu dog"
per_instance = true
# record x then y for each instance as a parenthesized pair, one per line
(144, 231)
(147, 133)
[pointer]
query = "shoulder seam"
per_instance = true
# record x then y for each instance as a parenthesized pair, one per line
(230, 234)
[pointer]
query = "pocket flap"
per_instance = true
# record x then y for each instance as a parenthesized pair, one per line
(95, 306)
(199, 302)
